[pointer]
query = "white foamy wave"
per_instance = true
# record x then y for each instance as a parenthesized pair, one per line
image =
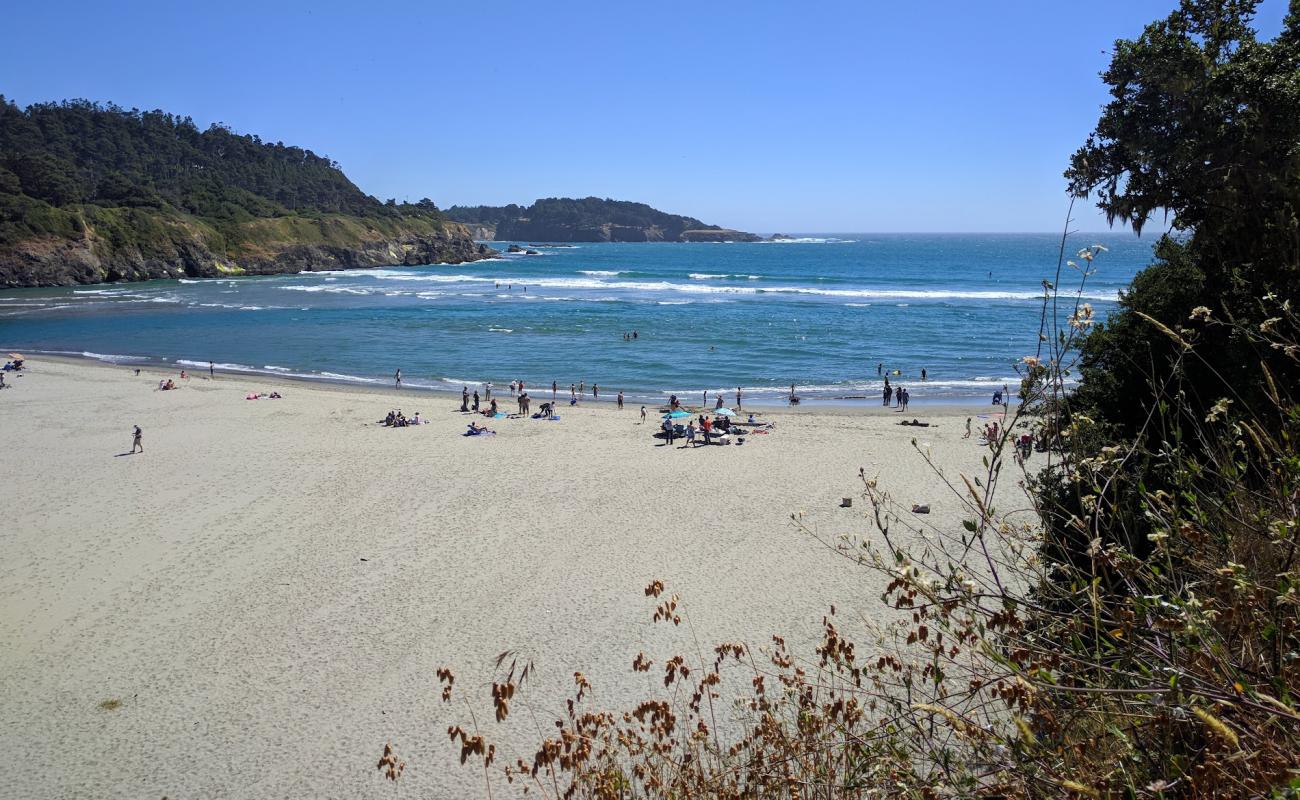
(327, 289)
(502, 330)
(703, 288)
(334, 376)
(225, 367)
(601, 273)
(704, 276)
(113, 358)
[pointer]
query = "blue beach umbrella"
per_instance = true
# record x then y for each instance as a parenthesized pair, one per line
(724, 412)
(676, 414)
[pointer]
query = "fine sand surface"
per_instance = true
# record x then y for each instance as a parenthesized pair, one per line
(268, 590)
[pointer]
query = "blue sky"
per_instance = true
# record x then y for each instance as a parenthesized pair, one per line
(827, 116)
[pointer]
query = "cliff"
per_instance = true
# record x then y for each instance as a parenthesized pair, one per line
(92, 193)
(590, 219)
(176, 246)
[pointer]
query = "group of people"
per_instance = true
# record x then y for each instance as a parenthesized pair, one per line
(396, 419)
(166, 385)
(900, 395)
(880, 370)
(259, 396)
(627, 337)
(475, 404)
(706, 429)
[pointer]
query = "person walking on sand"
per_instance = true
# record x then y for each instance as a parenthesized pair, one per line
(642, 415)
(620, 399)
(595, 391)
(137, 440)
(967, 436)
(573, 393)
(582, 387)
(397, 379)
(705, 402)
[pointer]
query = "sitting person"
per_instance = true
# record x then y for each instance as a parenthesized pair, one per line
(416, 420)
(274, 395)
(390, 419)
(478, 430)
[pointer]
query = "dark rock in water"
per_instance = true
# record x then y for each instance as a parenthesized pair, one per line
(514, 248)
(778, 237)
(531, 252)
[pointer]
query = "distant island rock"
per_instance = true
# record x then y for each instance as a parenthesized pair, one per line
(589, 219)
(92, 193)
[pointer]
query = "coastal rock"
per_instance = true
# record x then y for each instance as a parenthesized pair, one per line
(54, 261)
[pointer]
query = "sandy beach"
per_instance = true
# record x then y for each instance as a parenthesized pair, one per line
(258, 602)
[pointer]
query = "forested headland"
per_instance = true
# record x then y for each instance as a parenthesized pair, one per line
(589, 219)
(92, 193)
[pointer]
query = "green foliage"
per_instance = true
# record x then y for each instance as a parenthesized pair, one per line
(1204, 126)
(547, 216)
(62, 165)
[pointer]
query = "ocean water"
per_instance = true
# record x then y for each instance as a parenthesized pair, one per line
(821, 312)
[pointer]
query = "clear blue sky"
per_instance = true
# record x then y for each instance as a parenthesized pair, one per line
(818, 116)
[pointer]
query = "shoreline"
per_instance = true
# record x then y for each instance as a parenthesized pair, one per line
(160, 366)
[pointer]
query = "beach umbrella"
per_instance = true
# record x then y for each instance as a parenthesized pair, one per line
(724, 412)
(17, 356)
(677, 415)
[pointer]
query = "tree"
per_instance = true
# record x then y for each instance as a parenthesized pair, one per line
(1203, 128)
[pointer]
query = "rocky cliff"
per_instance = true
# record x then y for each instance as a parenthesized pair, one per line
(186, 248)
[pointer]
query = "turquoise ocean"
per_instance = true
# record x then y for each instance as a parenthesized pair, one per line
(821, 312)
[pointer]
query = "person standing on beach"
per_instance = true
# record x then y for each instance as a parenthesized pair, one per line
(737, 398)
(967, 436)
(595, 391)
(642, 415)
(137, 442)
(464, 398)
(573, 393)
(212, 370)
(553, 388)
(706, 398)
(582, 387)
(513, 386)
(620, 399)
(475, 406)
(487, 390)
(397, 379)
